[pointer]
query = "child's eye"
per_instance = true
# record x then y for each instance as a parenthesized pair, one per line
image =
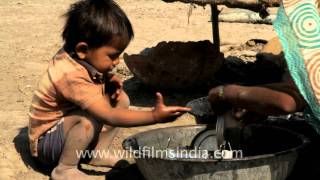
(114, 56)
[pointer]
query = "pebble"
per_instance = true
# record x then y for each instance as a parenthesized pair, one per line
(249, 53)
(225, 48)
(19, 100)
(251, 43)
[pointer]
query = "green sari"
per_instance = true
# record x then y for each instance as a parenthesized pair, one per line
(298, 27)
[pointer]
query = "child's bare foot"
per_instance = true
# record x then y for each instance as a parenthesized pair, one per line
(64, 172)
(111, 161)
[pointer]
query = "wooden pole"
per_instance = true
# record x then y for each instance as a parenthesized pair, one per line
(246, 4)
(215, 27)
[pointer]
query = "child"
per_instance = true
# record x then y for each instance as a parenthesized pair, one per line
(78, 95)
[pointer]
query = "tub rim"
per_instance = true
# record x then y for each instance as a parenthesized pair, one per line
(304, 142)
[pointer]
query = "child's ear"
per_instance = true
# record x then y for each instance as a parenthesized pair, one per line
(82, 50)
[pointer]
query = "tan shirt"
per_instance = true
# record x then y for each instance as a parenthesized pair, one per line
(66, 85)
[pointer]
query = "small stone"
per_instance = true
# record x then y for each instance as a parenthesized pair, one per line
(19, 100)
(248, 53)
(251, 43)
(225, 48)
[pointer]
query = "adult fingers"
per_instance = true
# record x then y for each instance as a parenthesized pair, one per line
(239, 113)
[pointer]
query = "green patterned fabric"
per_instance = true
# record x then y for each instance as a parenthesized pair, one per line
(298, 27)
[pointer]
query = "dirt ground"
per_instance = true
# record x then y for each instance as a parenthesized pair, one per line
(30, 36)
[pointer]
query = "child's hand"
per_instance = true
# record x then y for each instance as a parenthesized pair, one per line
(163, 113)
(114, 86)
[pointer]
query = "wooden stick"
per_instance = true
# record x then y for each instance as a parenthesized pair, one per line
(215, 27)
(246, 4)
(245, 17)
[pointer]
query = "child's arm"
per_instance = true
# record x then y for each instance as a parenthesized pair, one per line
(103, 111)
(261, 100)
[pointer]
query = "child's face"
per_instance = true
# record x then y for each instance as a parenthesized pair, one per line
(105, 58)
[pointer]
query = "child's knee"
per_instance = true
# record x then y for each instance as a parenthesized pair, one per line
(90, 125)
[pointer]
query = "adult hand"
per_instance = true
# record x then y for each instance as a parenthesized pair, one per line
(217, 100)
(247, 117)
(163, 113)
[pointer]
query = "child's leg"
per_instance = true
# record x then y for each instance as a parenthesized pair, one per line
(80, 130)
(104, 142)
(106, 137)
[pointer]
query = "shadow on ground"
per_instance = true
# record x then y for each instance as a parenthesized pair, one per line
(21, 144)
(130, 173)
(22, 147)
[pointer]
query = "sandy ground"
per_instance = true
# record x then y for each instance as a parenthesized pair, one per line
(30, 35)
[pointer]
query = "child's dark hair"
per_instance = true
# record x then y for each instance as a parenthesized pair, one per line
(95, 22)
